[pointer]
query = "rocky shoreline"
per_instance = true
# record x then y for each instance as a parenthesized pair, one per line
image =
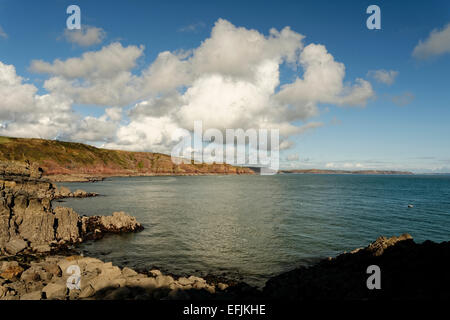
(29, 223)
(36, 241)
(409, 271)
(63, 192)
(36, 259)
(46, 278)
(96, 178)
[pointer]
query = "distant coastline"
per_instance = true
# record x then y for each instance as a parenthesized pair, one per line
(322, 171)
(71, 161)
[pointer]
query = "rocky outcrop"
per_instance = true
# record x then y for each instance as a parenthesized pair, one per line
(46, 279)
(64, 192)
(408, 271)
(28, 223)
(20, 169)
(119, 222)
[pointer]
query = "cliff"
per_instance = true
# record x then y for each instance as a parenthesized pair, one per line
(29, 223)
(60, 159)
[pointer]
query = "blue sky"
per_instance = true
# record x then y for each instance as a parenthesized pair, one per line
(383, 134)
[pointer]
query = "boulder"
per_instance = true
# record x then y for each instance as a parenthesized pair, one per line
(222, 286)
(155, 272)
(32, 274)
(11, 270)
(185, 281)
(378, 246)
(143, 282)
(127, 272)
(96, 226)
(15, 246)
(55, 291)
(163, 281)
(40, 248)
(86, 291)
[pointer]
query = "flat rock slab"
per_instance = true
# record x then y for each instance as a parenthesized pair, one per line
(15, 246)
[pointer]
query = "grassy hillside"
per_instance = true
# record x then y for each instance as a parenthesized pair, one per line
(68, 158)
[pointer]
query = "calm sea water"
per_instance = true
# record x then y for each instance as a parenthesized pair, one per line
(254, 227)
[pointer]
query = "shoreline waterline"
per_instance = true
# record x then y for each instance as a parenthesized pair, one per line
(254, 227)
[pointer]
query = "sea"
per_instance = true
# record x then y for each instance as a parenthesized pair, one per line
(250, 228)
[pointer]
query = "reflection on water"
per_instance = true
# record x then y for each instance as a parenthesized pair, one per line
(259, 226)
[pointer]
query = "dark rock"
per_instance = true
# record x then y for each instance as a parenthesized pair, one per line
(408, 271)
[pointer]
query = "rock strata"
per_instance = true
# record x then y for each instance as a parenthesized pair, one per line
(46, 279)
(29, 223)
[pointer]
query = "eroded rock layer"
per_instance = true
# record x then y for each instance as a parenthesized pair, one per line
(28, 222)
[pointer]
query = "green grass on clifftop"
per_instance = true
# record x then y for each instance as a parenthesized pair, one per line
(59, 157)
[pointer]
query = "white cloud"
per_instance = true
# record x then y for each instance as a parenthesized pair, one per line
(383, 76)
(105, 63)
(192, 27)
(93, 129)
(322, 82)
(403, 99)
(293, 157)
(24, 113)
(232, 80)
(99, 77)
(115, 114)
(437, 43)
(86, 36)
(146, 133)
(3, 33)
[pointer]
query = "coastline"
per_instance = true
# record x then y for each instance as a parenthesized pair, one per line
(37, 251)
(410, 271)
(95, 178)
(361, 172)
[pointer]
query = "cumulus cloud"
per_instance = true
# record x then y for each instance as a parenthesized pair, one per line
(86, 36)
(232, 80)
(437, 43)
(192, 27)
(293, 157)
(107, 62)
(403, 99)
(3, 33)
(26, 114)
(383, 76)
(101, 77)
(322, 82)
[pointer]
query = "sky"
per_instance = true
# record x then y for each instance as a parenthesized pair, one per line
(341, 95)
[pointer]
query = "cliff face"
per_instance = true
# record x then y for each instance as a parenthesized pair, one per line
(28, 223)
(68, 158)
